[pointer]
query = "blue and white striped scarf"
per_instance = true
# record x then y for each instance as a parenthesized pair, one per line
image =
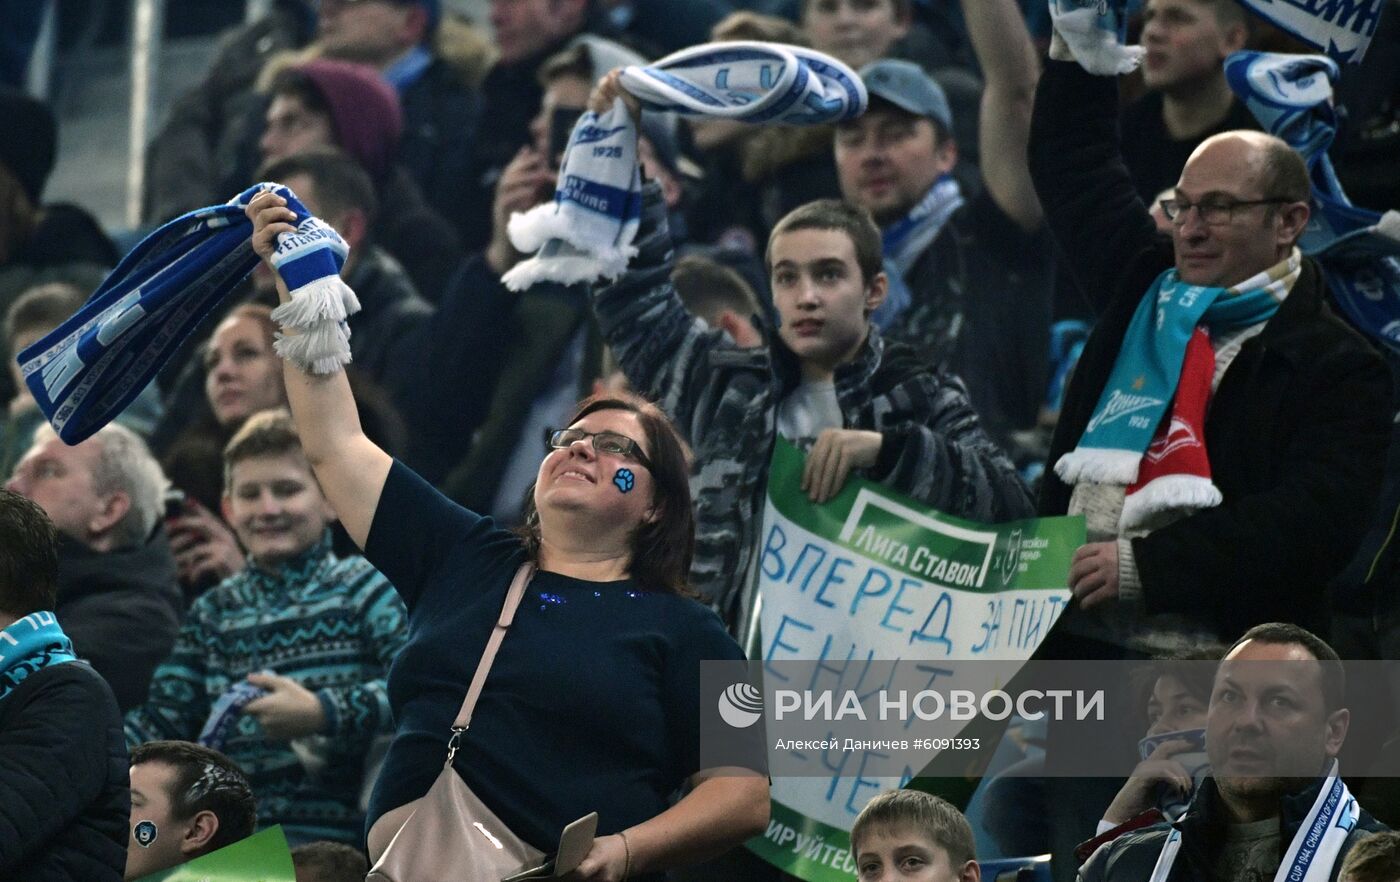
(91, 367)
(1341, 28)
(1145, 375)
(587, 231)
(1358, 249)
(903, 242)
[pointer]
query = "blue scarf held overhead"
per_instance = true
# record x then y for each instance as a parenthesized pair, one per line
(1358, 249)
(1144, 378)
(31, 644)
(91, 367)
(904, 241)
(1341, 28)
(587, 231)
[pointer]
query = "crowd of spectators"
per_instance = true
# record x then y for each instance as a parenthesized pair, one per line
(938, 296)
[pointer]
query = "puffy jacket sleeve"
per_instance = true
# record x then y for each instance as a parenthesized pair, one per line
(361, 710)
(178, 702)
(946, 460)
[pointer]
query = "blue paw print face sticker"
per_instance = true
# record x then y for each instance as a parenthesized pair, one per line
(624, 480)
(145, 833)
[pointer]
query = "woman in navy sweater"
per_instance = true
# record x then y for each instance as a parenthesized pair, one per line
(593, 701)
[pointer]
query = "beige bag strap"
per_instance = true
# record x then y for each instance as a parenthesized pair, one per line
(488, 655)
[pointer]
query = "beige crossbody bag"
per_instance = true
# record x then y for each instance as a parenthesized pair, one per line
(449, 835)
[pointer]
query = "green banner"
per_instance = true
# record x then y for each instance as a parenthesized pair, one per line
(262, 857)
(873, 574)
(805, 847)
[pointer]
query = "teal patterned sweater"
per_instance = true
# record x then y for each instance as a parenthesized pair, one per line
(333, 625)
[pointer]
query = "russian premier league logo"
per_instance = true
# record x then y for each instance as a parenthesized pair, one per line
(1010, 557)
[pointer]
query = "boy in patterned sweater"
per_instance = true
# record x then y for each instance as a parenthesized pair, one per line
(313, 631)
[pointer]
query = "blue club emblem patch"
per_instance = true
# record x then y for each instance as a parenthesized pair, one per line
(624, 480)
(145, 833)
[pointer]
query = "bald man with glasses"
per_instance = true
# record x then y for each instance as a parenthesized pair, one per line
(1267, 490)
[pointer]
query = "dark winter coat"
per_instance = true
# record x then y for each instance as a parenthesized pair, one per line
(1132, 856)
(121, 609)
(65, 798)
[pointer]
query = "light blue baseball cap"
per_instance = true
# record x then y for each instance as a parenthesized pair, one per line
(905, 85)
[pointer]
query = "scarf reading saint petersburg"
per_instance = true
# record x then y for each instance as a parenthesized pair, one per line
(587, 231)
(91, 367)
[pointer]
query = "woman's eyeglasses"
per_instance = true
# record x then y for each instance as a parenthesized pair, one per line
(603, 442)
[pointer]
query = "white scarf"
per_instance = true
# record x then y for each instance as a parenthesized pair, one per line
(1091, 32)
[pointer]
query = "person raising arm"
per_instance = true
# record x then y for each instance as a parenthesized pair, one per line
(609, 530)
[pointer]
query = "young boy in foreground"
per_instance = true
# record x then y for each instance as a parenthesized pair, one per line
(911, 836)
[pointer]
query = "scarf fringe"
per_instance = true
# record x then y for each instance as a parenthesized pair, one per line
(569, 270)
(1167, 498)
(323, 348)
(324, 299)
(529, 230)
(1098, 466)
(1096, 48)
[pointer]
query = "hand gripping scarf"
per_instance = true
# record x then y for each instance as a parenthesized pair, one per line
(587, 231)
(1358, 249)
(91, 367)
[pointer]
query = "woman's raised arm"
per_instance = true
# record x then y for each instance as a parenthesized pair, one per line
(350, 468)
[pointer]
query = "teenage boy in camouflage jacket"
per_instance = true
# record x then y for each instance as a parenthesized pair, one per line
(824, 380)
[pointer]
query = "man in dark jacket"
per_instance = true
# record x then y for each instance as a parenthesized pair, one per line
(1295, 433)
(118, 594)
(1187, 98)
(509, 364)
(1276, 722)
(440, 110)
(64, 803)
(970, 272)
(340, 104)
